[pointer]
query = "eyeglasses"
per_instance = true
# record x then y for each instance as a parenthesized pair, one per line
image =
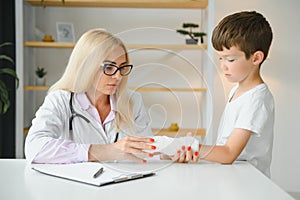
(110, 69)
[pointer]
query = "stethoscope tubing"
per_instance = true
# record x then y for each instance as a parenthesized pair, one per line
(75, 114)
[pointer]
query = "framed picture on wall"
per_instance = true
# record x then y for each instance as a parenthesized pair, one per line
(65, 32)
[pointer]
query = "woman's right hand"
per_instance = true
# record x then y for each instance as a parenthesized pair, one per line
(130, 148)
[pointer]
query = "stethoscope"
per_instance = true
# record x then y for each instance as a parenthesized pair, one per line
(75, 114)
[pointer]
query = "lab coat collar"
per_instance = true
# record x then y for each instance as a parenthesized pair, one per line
(83, 100)
(85, 103)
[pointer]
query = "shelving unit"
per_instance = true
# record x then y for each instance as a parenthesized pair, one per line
(158, 132)
(181, 132)
(39, 44)
(173, 4)
(35, 88)
(179, 4)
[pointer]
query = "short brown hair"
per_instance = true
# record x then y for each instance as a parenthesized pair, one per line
(247, 30)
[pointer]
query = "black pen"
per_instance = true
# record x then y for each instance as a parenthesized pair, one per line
(116, 138)
(98, 173)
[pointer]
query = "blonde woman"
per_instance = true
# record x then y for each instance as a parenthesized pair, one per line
(89, 114)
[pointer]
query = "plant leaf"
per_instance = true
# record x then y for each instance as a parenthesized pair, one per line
(10, 72)
(199, 34)
(190, 25)
(1, 106)
(4, 97)
(5, 44)
(4, 100)
(4, 57)
(184, 32)
(6, 107)
(3, 90)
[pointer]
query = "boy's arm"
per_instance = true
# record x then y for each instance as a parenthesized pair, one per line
(228, 153)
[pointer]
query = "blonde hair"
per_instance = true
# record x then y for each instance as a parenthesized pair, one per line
(89, 52)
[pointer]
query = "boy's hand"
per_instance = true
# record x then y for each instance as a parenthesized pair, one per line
(186, 155)
(183, 155)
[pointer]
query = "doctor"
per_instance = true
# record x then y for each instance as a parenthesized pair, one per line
(89, 114)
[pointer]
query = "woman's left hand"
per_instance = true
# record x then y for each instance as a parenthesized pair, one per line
(129, 148)
(133, 146)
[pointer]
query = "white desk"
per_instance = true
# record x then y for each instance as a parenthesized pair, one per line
(240, 181)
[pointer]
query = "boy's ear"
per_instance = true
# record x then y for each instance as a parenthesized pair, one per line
(258, 57)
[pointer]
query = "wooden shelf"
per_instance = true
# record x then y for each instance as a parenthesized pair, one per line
(39, 44)
(167, 46)
(154, 89)
(178, 4)
(145, 89)
(32, 87)
(49, 44)
(180, 132)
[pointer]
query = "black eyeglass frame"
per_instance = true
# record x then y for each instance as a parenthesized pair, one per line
(105, 65)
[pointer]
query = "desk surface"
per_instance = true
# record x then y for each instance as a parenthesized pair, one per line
(172, 181)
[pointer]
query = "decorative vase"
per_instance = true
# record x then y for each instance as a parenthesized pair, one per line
(40, 81)
(191, 41)
(174, 127)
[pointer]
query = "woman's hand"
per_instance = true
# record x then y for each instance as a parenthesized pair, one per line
(130, 148)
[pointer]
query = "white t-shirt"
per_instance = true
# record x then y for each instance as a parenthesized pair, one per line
(254, 111)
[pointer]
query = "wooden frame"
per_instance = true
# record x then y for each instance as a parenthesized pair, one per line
(65, 32)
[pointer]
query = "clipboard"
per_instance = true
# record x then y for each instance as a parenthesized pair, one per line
(84, 172)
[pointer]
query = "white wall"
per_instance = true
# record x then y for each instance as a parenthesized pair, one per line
(281, 73)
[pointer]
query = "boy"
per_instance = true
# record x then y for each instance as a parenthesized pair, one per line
(242, 41)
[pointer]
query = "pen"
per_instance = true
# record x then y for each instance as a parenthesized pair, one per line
(116, 138)
(98, 173)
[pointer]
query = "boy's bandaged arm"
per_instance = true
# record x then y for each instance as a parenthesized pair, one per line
(169, 146)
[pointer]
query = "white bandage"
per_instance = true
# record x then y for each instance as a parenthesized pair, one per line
(169, 146)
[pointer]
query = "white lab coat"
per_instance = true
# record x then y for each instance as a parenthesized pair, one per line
(52, 121)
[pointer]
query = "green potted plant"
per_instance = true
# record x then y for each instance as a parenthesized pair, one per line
(193, 35)
(40, 73)
(4, 97)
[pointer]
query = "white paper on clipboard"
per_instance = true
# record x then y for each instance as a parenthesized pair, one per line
(84, 172)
